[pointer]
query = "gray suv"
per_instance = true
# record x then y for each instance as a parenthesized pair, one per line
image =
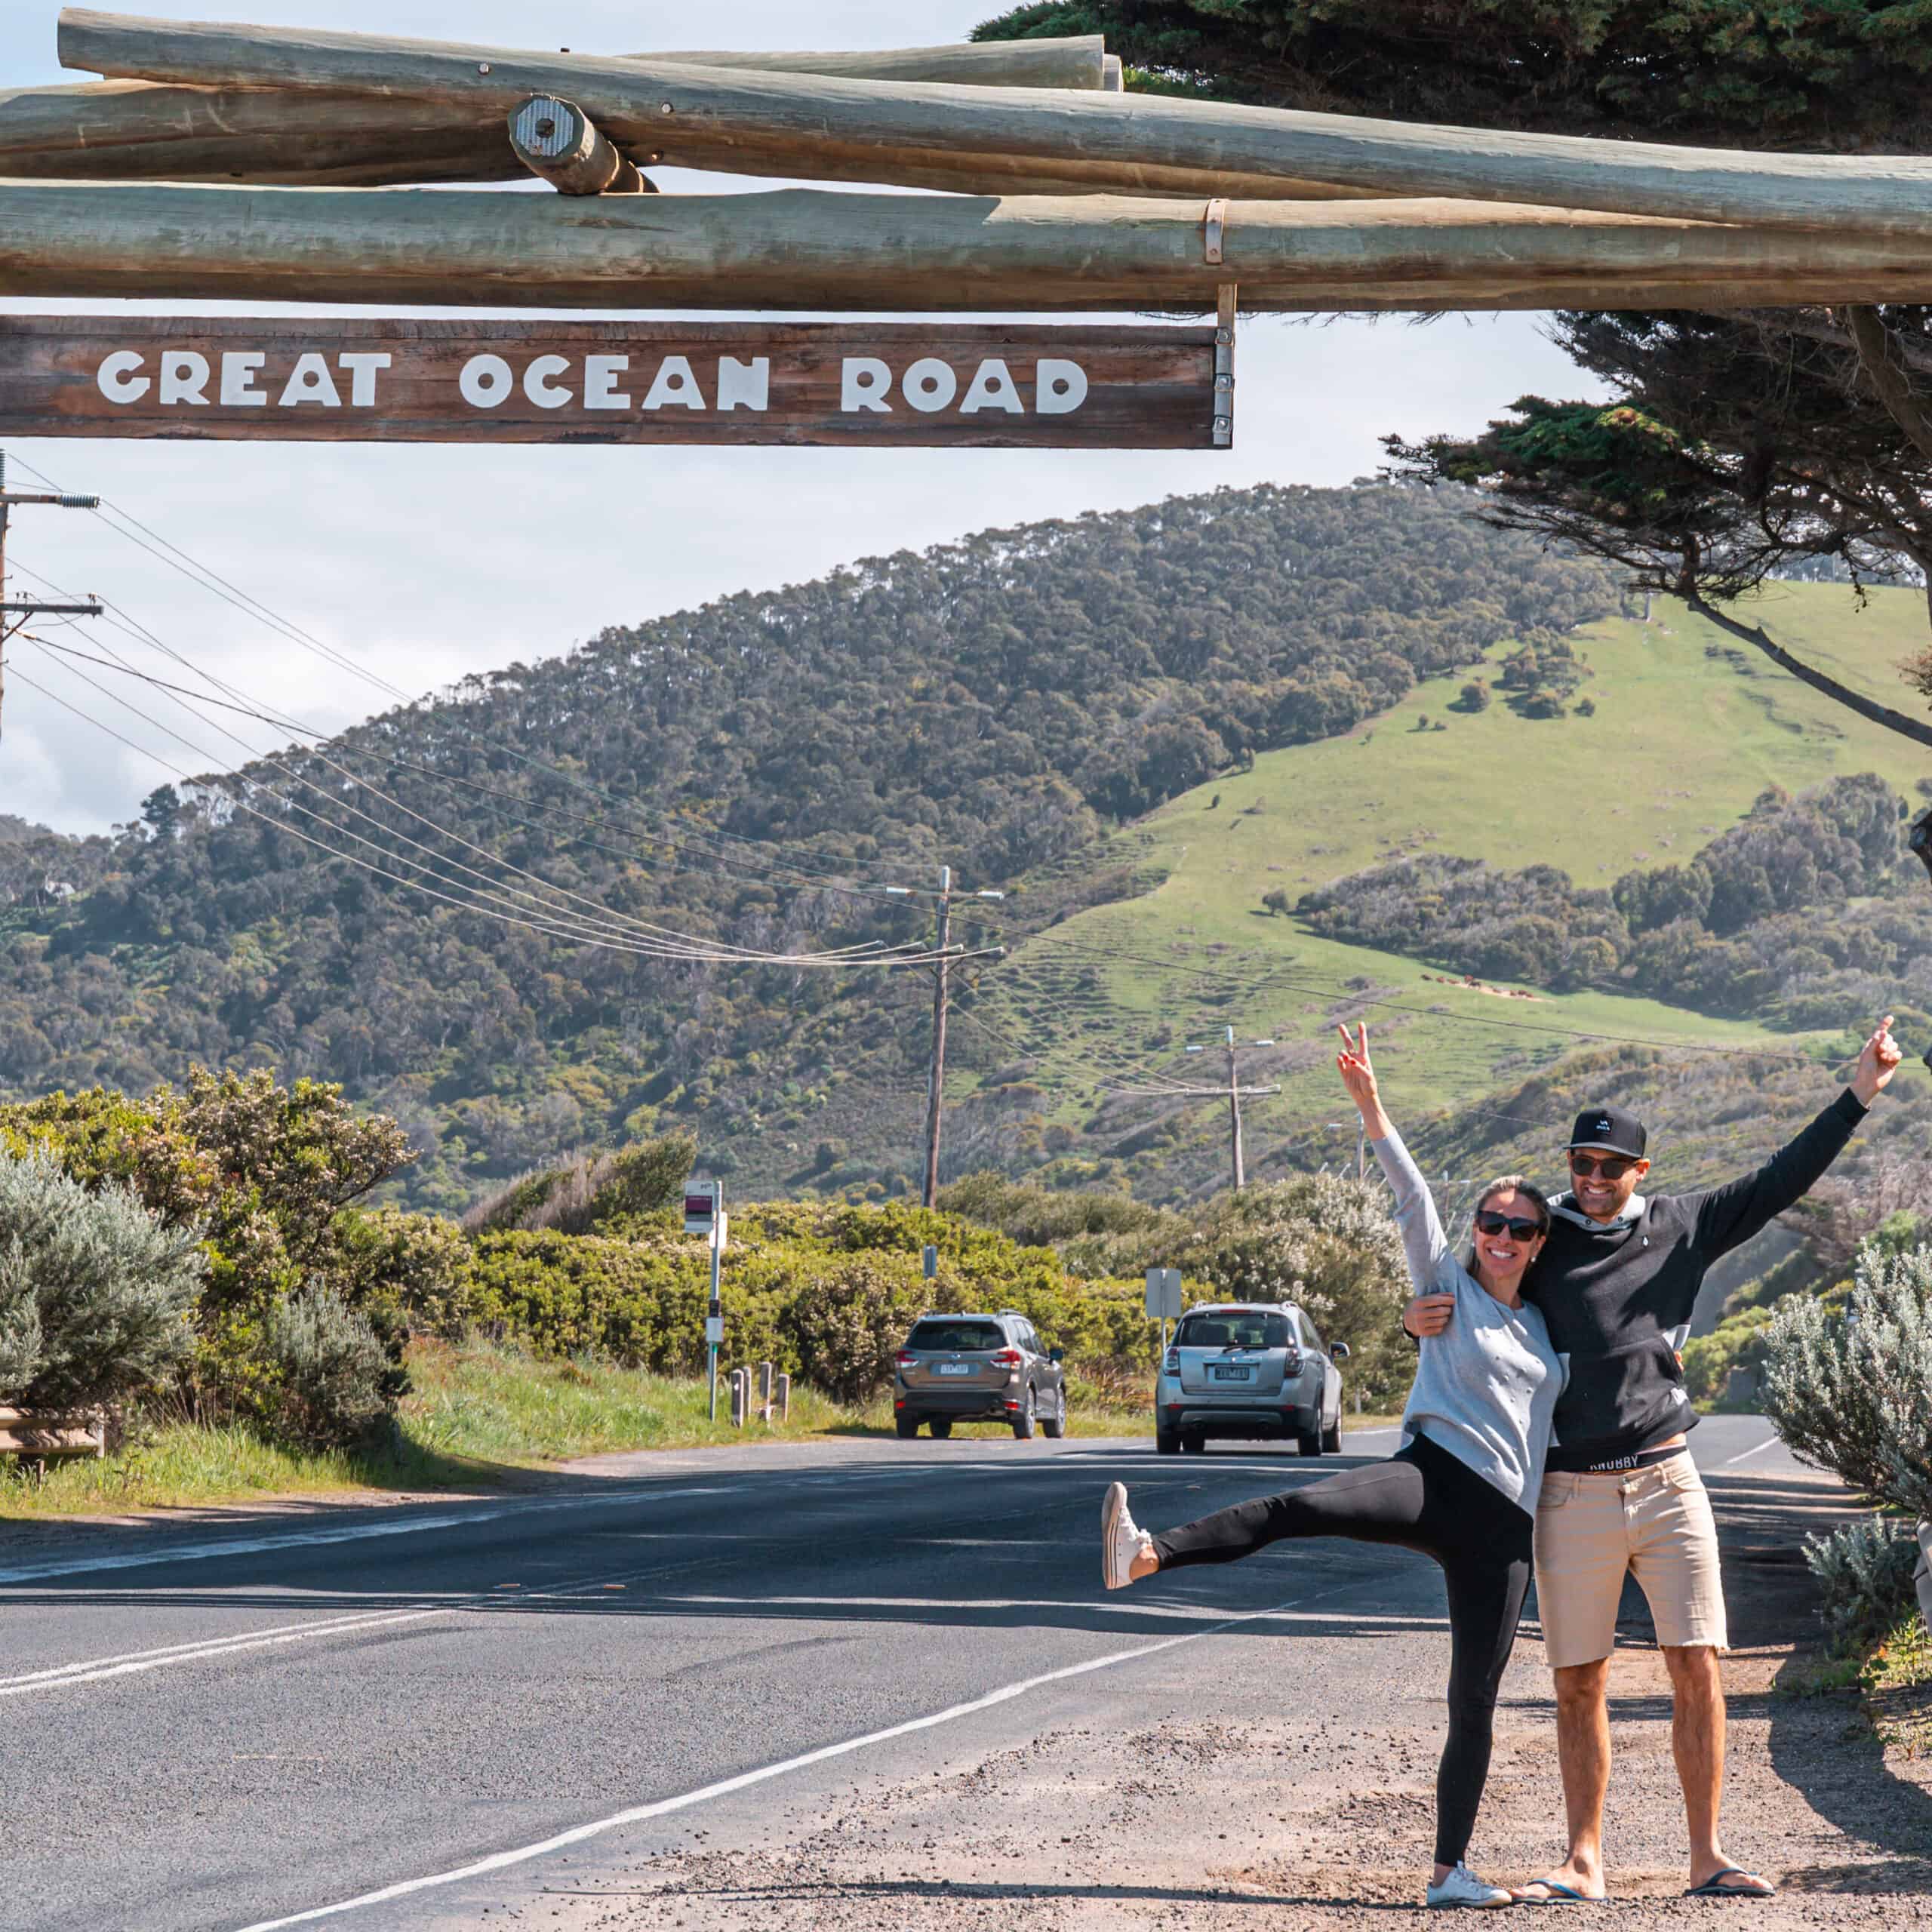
(1249, 1369)
(978, 1368)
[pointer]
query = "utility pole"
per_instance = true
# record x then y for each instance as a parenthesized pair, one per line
(1234, 1113)
(16, 613)
(942, 989)
(938, 1079)
(1233, 1090)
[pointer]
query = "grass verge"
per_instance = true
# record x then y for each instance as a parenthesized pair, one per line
(478, 1414)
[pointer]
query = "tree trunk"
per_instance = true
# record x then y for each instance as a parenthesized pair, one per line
(834, 129)
(799, 249)
(1867, 708)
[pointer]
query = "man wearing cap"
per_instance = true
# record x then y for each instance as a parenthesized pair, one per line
(1616, 1283)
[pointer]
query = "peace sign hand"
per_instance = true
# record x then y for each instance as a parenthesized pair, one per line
(1358, 1074)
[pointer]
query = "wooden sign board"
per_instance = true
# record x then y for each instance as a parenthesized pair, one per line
(344, 379)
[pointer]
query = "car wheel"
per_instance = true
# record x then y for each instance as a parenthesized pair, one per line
(908, 1427)
(1331, 1438)
(1054, 1426)
(941, 1428)
(1309, 1445)
(1029, 1414)
(1166, 1442)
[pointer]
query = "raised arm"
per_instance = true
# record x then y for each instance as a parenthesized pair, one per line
(1423, 1240)
(1727, 1217)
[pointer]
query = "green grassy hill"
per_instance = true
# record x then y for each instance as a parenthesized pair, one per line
(1689, 728)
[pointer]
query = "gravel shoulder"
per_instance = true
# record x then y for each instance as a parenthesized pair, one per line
(1207, 1805)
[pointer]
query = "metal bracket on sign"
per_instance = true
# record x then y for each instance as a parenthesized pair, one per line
(1224, 368)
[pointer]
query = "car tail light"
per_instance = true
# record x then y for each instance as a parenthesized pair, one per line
(1009, 1358)
(1174, 1361)
(1292, 1367)
(906, 1359)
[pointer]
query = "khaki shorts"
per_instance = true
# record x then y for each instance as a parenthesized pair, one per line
(1591, 1529)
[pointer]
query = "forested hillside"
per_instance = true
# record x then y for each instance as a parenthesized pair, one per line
(759, 773)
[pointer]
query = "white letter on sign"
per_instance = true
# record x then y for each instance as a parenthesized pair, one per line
(867, 383)
(930, 384)
(1059, 387)
(184, 377)
(116, 379)
(600, 375)
(309, 381)
(744, 385)
(538, 386)
(237, 381)
(993, 387)
(362, 369)
(485, 381)
(676, 383)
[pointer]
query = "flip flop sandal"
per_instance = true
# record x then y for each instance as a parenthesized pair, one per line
(1559, 1894)
(1714, 1887)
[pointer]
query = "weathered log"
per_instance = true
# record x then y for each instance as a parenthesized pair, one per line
(560, 143)
(1072, 60)
(139, 130)
(843, 129)
(1115, 71)
(142, 131)
(800, 249)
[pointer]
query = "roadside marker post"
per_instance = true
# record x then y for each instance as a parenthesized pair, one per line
(1164, 1299)
(704, 1214)
(931, 1262)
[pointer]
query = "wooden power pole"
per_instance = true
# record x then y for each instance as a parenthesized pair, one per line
(939, 991)
(18, 611)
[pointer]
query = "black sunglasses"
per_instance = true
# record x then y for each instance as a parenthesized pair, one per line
(1609, 1167)
(1491, 1222)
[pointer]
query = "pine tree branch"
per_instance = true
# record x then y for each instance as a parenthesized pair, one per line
(1886, 378)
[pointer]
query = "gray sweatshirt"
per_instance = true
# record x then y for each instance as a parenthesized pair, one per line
(1486, 1387)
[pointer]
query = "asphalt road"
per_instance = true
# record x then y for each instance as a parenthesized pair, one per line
(338, 1716)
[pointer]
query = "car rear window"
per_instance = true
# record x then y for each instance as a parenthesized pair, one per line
(956, 1336)
(1235, 1329)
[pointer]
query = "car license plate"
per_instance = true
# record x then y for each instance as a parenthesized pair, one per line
(1232, 1374)
(953, 1368)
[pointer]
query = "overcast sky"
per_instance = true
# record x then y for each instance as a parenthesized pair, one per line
(431, 562)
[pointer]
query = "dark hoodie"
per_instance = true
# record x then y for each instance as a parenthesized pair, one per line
(1617, 1299)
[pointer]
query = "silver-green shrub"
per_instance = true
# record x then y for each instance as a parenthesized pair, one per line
(1865, 1572)
(1853, 1393)
(333, 1384)
(95, 1291)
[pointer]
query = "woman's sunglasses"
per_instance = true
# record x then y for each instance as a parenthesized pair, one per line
(1491, 1222)
(1606, 1166)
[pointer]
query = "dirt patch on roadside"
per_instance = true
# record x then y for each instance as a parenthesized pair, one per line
(1283, 1823)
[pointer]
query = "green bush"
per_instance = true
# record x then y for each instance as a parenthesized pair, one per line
(95, 1291)
(1865, 1571)
(332, 1385)
(1737, 1342)
(1852, 1392)
(844, 1325)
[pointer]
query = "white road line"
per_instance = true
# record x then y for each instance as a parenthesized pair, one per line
(97, 1670)
(199, 1553)
(725, 1787)
(1757, 1449)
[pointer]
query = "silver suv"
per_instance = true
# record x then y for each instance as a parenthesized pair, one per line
(1249, 1369)
(978, 1368)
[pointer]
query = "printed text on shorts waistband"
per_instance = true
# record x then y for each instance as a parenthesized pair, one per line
(1642, 1459)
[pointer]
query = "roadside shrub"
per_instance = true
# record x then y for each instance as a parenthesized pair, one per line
(332, 1384)
(845, 1325)
(1737, 1342)
(409, 1271)
(1865, 1571)
(595, 1194)
(1853, 1393)
(94, 1290)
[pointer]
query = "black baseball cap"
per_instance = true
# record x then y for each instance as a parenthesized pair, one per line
(1610, 1128)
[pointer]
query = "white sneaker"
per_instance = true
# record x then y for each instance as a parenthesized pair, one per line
(1463, 1887)
(1121, 1539)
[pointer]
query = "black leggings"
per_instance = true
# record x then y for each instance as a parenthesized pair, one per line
(1421, 1499)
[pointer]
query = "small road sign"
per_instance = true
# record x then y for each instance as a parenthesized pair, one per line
(1164, 1294)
